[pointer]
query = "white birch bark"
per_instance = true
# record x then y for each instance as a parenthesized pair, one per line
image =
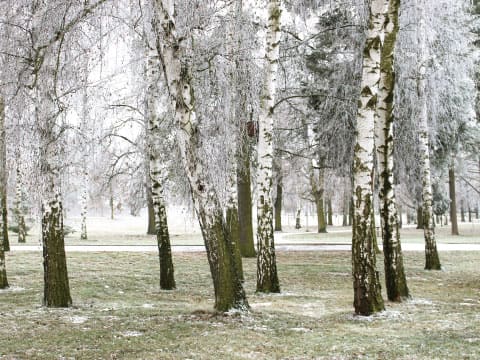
(19, 215)
(432, 261)
(229, 292)
(394, 271)
(84, 149)
(267, 278)
(3, 180)
(366, 284)
(158, 171)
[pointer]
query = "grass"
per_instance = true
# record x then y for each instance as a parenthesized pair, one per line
(120, 313)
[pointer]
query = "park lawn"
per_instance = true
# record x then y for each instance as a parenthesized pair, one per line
(120, 313)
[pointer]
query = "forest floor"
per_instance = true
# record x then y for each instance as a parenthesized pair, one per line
(120, 313)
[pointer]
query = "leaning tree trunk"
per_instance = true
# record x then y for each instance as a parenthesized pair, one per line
(267, 277)
(395, 280)
(158, 173)
(432, 261)
(229, 292)
(3, 177)
(3, 270)
(366, 284)
(453, 198)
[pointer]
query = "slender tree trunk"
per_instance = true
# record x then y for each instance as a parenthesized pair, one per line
(469, 214)
(229, 292)
(453, 198)
(317, 183)
(3, 269)
(3, 177)
(233, 226)
(400, 220)
(462, 210)
(267, 277)
(350, 212)
(432, 261)
(396, 282)
(244, 191)
(151, 228)
(158, 172)
(330, 212)
(18, 205)
(298, 220)
(366, 284)
(111, 201)
(278, 206)
(420, 217)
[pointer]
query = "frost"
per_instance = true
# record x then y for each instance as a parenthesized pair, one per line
(420, 302)
(132, 333)
(78, 319)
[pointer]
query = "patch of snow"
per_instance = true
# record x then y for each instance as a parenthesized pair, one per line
(78, 319)
(420, 302)
(255, 305)
(13, 289)
(147, 306)
(132, 333)
(301, 329)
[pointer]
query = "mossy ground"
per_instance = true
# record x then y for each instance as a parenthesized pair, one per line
(120, 313)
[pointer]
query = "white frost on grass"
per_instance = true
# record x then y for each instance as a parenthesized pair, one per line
(383, 315)
(78, 319)
(420, 302)
(301, 329)
(131, 333)
(12, 289)
(147, 306)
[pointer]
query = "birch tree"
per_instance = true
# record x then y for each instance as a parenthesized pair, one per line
(3, 270)
(366, 284)
(267, 277)
(395, 279)
(172, 48)
(158, 171)
(432, 260)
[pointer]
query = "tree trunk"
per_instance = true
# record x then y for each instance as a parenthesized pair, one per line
(278, 206)
(158, 172)
(350, 212)
(298, 222)
(366, 284)
(453, 198)
(234, 233)
(267, 278)
(151, 226)
(317, 182)
(3, 177)
(3, 225)
(244, 191)
(395, 280)
(420, 217)
(469, 214)
(151, 229)
(330, 211)
(18, 206)
(432, 261)
(229, 292)
(462, 210)
(111, 201)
